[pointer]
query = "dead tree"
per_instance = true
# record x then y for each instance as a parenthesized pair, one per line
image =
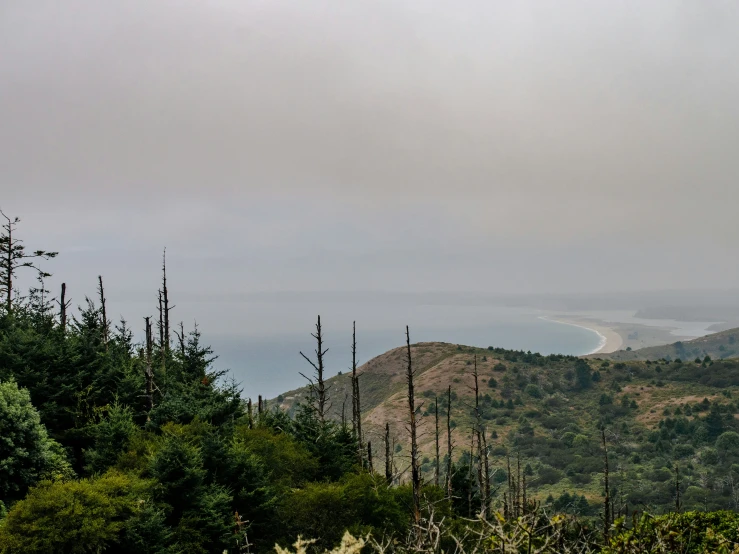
(165, 304)
(415, 470)
(388, 456)
(469, 473)
(485, 471)
(260, 408)
(356, 402)
(160, 325)
(103, 313)
(250, 414)
(181, 339)
(63, 307)
(607, 500)
(369, 457)
(318, 389)
(149, 371)
(448, 486)
(13, 257)
(436, 417)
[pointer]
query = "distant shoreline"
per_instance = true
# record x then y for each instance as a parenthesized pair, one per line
(610, 340)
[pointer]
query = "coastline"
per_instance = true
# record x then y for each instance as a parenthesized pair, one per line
(610, 340)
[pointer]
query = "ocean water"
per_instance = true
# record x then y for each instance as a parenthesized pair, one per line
(267, 361)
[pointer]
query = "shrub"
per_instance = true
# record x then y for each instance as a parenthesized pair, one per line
(82, 516)
(27, 454)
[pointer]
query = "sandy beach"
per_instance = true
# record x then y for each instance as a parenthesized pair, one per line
(611, 340)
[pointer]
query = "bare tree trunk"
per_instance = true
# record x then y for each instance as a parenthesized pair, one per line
(343, 414)
(165, 299)
(149, 372)
(356, 402)
(607, 500)
(478, 425)
(436, 417)
(63, 306)
(415, 470)
(104, 315)
(260, 408)
(160, 325)
(318, 387)
(449, 442)
(469, 474)
(250, 414)
(9, 263)
(388, 456)
(485, 472)
(369, 457)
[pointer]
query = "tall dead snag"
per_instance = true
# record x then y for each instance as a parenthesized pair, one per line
(448, 481)
(13, 256)
(319, 392)
(415, 470)
(149, 372)
(369, 457)
(165, 304)
(436, 417)
(103, 312)
(483, 476)
(607, 501)
(160, 325)
(485, 472)
(356, 402)
(250, 414)
(388, 456)
(63, 307)
(469, 473)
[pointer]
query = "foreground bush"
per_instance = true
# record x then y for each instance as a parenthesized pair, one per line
(687, 533)
(73, 517)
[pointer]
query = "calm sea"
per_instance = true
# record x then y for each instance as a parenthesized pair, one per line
(267, 361)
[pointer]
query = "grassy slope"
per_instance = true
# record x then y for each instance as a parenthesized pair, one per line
(548, 405)
(718, 346)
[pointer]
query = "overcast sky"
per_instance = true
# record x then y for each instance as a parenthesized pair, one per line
(398, 145)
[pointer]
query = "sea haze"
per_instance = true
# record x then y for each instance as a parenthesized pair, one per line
(269, 362)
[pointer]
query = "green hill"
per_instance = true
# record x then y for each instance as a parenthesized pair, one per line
(549, 409)
(717, 346)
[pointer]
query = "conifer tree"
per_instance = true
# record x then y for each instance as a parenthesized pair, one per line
(13, 256)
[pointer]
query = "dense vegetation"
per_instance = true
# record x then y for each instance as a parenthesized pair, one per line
(108, 445)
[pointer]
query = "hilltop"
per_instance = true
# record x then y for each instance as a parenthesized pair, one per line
(722, 345)
(549, 409)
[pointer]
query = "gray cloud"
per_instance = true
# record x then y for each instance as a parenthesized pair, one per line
(397, 145)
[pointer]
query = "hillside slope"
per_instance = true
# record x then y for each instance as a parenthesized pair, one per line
(717, 345)
(549, 410)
